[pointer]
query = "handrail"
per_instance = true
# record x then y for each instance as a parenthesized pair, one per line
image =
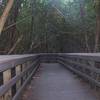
(86, 65)
(17, 70)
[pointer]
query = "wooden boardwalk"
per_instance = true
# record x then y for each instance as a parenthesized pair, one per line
(54, 82)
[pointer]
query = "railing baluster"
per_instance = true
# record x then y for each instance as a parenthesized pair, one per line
(15, 76)
(6, 78)
(18, 71)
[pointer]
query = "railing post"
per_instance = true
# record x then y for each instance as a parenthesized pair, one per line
(18, 71)
(6, 78)
(15, 73)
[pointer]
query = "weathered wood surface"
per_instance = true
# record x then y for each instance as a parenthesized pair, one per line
(54, 82)
(14, 74)
(17, 70)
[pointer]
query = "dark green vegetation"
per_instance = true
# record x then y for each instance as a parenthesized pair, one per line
(51, 26)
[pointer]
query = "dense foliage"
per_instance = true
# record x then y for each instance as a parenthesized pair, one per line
(50, 26)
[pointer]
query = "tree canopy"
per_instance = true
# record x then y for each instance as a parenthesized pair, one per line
(34, 26)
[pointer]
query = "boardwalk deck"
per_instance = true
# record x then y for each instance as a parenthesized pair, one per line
(54, 82)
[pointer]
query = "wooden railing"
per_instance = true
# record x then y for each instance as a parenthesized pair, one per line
(16, 70)
(86, 65)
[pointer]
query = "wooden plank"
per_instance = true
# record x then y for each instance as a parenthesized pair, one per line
(17, 96)
(6, 78)
(12, 62)
(6, 87)
(18, 71)
(13, 71)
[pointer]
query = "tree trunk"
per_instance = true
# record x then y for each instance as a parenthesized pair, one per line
(5, 14)
(97, 36)
(14, 46)
(83, 28)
